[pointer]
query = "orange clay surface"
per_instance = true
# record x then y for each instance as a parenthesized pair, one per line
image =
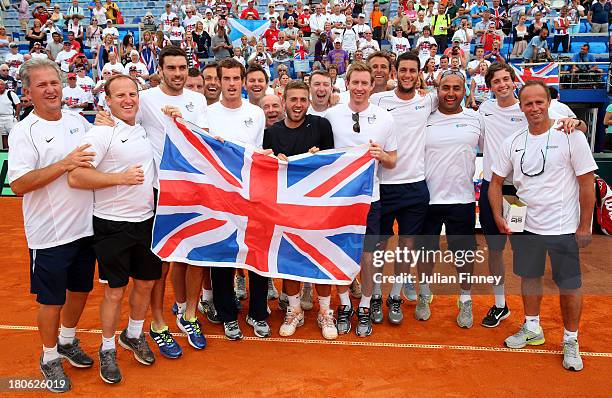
(417, 359)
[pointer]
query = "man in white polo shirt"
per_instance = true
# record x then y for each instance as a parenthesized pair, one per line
(357, 123)
(58, 219)
(403, 192)
(553, 174)
(236, 119)
(451, 140)
(122, 179)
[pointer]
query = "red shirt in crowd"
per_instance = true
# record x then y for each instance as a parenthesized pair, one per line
(271, 36)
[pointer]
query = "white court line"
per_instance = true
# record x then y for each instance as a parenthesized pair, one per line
(359, 343)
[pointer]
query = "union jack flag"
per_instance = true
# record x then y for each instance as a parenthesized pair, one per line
(549, 73)
(225, 204)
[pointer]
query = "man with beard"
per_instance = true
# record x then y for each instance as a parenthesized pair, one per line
(300, 133)
(452, 138)
(238, 120)
(403, 192)
(272, 105)
(186, 279)
(357, 123)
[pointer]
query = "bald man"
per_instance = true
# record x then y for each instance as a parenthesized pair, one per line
(272, 106)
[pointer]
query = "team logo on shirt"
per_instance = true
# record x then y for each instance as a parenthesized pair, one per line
(417, 107)
(190, 106)
(49, 139)
(123, 141)
(458, 125)
(74, 131)
(516, 119)
(248, 122)
(372, 119)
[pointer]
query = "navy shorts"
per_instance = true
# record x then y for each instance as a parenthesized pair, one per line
(406, 203)
(459, 221)
(495, 240)
(124, 250)
(372, 238)
(56, 269)
(529, 257)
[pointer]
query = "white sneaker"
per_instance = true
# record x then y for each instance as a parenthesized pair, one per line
(306, 298)
(327, 323)
(294, 318)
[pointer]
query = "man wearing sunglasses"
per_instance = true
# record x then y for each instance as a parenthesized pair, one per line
(452, 138)
(553, 174)
(357, 123)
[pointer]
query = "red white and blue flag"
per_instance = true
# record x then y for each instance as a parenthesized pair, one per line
(548, 73)
(226, 204)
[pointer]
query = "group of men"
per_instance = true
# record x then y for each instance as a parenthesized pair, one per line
(425, 145)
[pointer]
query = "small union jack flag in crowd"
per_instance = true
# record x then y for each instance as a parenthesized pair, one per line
(225, 204)
(549, 73)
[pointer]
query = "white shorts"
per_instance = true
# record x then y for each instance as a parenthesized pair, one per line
(6, 124)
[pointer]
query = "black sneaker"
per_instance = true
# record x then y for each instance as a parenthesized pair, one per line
(56, 379)
(75, 355)
(140, 348)
(109, 370)
(345, 313)
(364, 322)
(495, 316)
(208, 308)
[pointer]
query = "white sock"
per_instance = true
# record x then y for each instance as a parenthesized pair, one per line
(532, 323)
(308, 285)
(365, 301)
(66, 335)
(568, 336)
(134, 329)
(396, 289)
(207, 295)
(345, 299)
(465, 295)
(324, 303)
(49, 354)
(500, 296)
(294, 301)
(181, 308)
(377, 289)
(424, 289)
(108, 343)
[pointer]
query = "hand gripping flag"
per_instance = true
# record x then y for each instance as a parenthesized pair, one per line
(225, 204)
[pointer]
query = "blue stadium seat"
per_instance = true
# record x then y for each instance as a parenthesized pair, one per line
(136, 20)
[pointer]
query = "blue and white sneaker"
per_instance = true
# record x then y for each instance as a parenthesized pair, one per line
(168, 347)
(175, 310)
(193, 331)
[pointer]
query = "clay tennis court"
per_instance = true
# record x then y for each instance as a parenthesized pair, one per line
(424, 359)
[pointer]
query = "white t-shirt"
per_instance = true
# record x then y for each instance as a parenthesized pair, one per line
(117, 149)
(368, 47)
(191, 104)
(116, 67)
(561, 109)
(349, 40)
(6, 107)
(552, 197)
(86, 84)
(190, 23)
(241, 125)
(74, 96)
(423, 45)
(140, 67)
(333, 18)
(312, 111)
(473, 64)
(110, 31)
(281, 51)
(55, 214)
(14, 61)
(100, 15)
(399, 45)
(451, 144)
(375, 123)
(409, 122)
(165, 21)
(176, 33)
(63, 59)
